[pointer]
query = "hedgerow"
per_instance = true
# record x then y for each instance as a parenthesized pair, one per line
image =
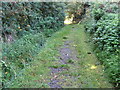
(18, 18)
(104, 29)
(25, 27)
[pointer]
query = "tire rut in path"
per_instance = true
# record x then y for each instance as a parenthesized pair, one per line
(59, 80)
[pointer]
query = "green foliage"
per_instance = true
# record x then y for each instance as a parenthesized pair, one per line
(18, 54)
(111, 7)
(22, 17)
(97, 13)
(38, 69)
(28, 23)
(91, 26)
(105, 32)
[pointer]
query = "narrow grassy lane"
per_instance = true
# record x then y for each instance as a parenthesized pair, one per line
(89, 68)
(67, 61)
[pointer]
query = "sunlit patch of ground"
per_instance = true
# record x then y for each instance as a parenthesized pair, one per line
(68, 20)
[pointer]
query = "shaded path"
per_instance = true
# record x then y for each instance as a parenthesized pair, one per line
(76, 67)
(66, 61)
(67, 56)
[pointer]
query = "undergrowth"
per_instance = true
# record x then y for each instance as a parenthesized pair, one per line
(105, 36)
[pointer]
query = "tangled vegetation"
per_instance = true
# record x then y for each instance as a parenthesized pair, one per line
(103, 27)
(18, 54)
(27, 25)
(20, 18)
(25, 28)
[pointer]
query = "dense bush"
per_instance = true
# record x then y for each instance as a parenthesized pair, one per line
(111, 7)
(103, 26)
(97, 13)
(18, 54)
(107, 33)
(19, 18)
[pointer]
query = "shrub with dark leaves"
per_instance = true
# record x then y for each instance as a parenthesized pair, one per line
(104, 28)
(22, 17)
